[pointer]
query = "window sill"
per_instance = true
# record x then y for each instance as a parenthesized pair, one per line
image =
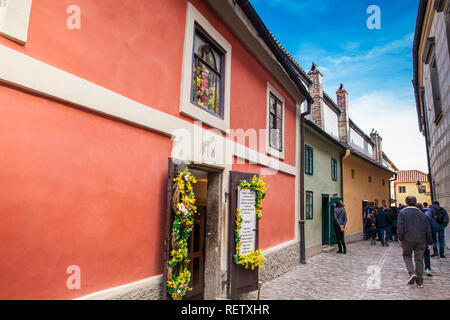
(438, 118)
(275, 153)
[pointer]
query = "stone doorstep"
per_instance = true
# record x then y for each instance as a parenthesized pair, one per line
(328, 249)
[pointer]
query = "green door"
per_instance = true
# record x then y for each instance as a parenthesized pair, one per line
(326, 235)
(331, 214)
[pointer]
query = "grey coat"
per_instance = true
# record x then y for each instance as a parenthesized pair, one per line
(413, 226)
(340, 216)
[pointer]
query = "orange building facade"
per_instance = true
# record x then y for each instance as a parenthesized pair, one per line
(89, 117)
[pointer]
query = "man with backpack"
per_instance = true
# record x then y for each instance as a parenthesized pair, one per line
(439, 216)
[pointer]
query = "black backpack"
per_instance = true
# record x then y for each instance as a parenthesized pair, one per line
(439, 216)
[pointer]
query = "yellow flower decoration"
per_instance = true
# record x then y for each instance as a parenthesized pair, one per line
(254, 259)
(178, 282)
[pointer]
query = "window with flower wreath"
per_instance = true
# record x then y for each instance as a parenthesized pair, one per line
(208, 73)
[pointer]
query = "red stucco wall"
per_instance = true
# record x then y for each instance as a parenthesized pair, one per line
(80, 189)
(76, 189)
(135, 48)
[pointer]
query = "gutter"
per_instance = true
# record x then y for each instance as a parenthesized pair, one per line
(415, 54)
(265, 35)
(301, 222)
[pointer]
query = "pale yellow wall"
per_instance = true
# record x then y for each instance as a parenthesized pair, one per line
(411, 190)
(358, 189)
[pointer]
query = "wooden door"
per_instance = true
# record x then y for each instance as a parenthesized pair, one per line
(174, 168)
(241, 280)
(197, 255)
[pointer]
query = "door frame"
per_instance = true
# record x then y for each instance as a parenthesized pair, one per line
(214, 215)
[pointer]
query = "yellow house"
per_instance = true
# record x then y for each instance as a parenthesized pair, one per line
(412, 183)
(366, 170)
(364, 181)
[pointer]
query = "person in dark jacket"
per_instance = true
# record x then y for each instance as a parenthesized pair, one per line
(382, 223)
(414, 232)
(340, 220)
(372, 224)
(439, 216)
(426, 255)
(389, 222)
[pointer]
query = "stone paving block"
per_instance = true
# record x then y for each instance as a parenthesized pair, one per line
(349, 277)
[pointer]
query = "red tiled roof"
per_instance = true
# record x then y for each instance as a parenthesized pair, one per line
(411, 176)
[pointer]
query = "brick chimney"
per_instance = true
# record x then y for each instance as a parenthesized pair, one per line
(377, 146)
(343, 121)
(316, 90)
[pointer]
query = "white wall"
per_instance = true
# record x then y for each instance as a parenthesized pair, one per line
(357, 141)
(330, 121)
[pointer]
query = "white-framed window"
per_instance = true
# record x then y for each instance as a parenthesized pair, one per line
(14, 19)
(205, 78)
(275, 115)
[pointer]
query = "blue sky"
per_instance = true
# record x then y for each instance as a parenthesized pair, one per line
(375, 66)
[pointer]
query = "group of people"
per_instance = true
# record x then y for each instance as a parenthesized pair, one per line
(416, 226)
(381, 222)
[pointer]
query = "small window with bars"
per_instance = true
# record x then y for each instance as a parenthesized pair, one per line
(309, 205)
(309, 160)
(334, 174)
(401, 189)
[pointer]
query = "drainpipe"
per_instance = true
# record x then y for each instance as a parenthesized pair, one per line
(301, 222)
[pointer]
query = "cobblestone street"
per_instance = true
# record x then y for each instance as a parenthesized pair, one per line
(345, 277)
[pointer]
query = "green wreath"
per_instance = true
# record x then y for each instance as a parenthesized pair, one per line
(178, 283)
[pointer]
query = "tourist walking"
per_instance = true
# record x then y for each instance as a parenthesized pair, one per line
(372, 225)
(414, 232)
(426, 255)
(440, 221)
(382, 222)
(389, 222)
(366, 227)
(340, 220)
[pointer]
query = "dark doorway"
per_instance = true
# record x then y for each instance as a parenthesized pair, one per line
(326, 225)
(204, 241)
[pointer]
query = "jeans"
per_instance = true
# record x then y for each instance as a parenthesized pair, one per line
(373, 233)
(365, 228)
(388, 234)
(440, 235)
(340, 238)
(426, 258)
(381, 234)
(419, 250)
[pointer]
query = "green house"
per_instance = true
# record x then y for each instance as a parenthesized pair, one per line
(323, 186)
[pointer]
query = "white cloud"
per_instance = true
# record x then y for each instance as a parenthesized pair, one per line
(395, 119)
